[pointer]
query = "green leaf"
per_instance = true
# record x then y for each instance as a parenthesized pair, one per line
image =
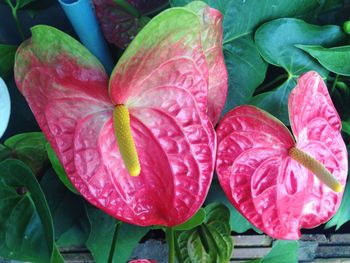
(245, 67)
(104, 229)
(30, 149)
(283, 251)
(127, 7)
(334, 59)
(7, 55)
(67, 210)
(5, 107)
(238, 223)
(57, 166)
(5, 152)
(346, 127)
(276, 101)
(246, 71)
(276, 42)
(343, 214)
(209, 242)
(194, 221)
(26, 230)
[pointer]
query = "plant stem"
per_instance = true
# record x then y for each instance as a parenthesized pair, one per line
(114, 241)
(170, 236)
(15, 17)
(18, 24)
(334, 83)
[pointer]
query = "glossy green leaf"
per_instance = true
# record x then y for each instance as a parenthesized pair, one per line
(343, 214)
(334, 59)
(5, 152)
(276, 42)
(30, 149)
(67, 210)
(104, 229)
(238, 223)
(246, 70)
(211, 241)
(194, 221)
(346, 127)
(283, 251)
(7, 55)
(241, 18)
(5, 107)
(57, 166)
(26, 230)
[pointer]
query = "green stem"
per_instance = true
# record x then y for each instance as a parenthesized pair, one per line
(271, 83)
(114, 242)
(334, 84)
(18, 24)
(170, 236)
(15, 17)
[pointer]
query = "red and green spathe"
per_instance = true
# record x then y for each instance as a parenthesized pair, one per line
(269, 175)
(155, 107)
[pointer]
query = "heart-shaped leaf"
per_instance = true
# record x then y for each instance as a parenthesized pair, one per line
(26, 227)
(194, 221)
(276, 42)
(67, 209)
(246, 69)
(30, 149)
(334, 59)
(238, 223)
(282, 251)
(5, 107)
(121, 20)
(211, 241)
(7, 55)
(343, 214)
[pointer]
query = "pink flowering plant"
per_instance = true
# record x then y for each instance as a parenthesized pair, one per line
(182, 122)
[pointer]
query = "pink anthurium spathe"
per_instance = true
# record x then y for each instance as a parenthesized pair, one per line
(212, 46)
(157, 92)
(270, 177)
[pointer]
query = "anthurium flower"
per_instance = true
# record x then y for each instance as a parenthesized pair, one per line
(270, 177)
(155, 108)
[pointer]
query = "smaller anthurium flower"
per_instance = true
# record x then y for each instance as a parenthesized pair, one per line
(280, 184)
(143, 150)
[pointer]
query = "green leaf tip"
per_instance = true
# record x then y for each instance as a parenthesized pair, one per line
(346, 27)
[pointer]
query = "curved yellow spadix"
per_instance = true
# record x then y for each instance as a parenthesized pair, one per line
(122, 130)
(317, 168)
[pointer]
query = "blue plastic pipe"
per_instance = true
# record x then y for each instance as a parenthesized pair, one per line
(82, 16)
